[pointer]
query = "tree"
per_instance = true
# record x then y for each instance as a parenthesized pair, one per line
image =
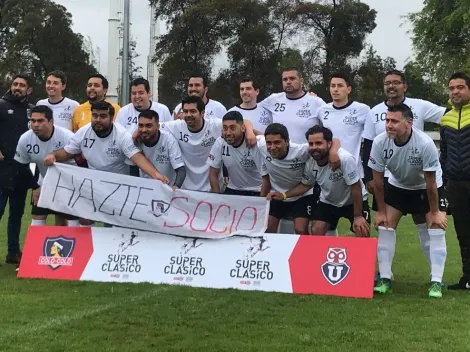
(40, 39)
(441, 38)
(335, 32)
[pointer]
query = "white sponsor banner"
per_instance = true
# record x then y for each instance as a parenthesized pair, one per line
(149, 205)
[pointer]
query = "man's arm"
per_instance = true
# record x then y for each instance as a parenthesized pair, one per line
(366, 148)
(146, 166)
(356, 194)
(265, 185)
(379, 190)
(333, 157)
(58, 156)
(249, 133)
(431, 190)
(180, 176)
(214, 179)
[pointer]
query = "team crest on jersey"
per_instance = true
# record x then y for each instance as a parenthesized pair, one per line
(57, 252)
(264, 118)
(336, 176)
(335, 269)
(58, 145)
(208, 139)
(159, 207)
(351, 118)
(296, 164)
(304, 111)
(247, 161)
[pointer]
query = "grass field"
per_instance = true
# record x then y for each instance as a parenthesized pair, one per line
(40, 315)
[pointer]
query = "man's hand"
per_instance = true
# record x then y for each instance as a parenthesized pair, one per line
(49, 160)
(380, 219)
(370, 187)
(160, 177)
(250, 139)
(136, 135)
(1, 157)
(174, 188)
(275, 196)
(333, 160)
(36, 194)
(361, 227)
(436, 218)
(312, 94)
(178, 116)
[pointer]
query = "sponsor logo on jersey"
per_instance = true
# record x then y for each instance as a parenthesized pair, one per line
(208, 142)
(351, 118)
(264, 119)
(372, 160)
(335, 269)
(57, 252)
(336, 176)
(296, 164)
(433, 163)
(304, 111)
(247, 160)
(415, 160)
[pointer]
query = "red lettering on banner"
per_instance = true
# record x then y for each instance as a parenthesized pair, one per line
(194, 216)
(215, 218)
(255, 217)
(185, 212)
(233, 220)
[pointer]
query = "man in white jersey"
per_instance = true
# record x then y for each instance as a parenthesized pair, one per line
(42, 139)
(106, 146)
(423, 111)
(197, 86)
(259, 116)
(294, 108)
(244, 165)
(196, 135)
(345, 119)
(285, 163)
(415, 187)
(61, 106)
(342, 192)
(160, 148)
(128, 115)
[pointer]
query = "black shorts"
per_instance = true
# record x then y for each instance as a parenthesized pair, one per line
(301, 208)
(413, 201)
(134, 170)
(236, 192)
(374, 202)
(330, 214)
(35, 210)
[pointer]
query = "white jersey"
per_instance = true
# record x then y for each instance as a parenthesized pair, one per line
(407, 162)
(285, 173)
(335, 185)
(298, 115)
(110, 153)
(32, 149)
(259, 116)
(196, 147)
(244, 165)
(213, 109)
(165, 155)
(62, 110)
(347, 124)
(128, 116)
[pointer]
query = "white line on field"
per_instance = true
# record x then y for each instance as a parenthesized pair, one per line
(65, 319)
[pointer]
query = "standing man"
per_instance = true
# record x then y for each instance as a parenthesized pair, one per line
(128, 116)
(455, 144)
(294, 108)
(244, 165)
(62, 107)
(42, 139)
(342, 192)
(160, 148)
(415, 187)
(197, 86)
(196, 135)
(96, 91)
(259, 116)
(423, 111)
(14, 118)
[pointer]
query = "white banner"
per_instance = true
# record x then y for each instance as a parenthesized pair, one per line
(149, 205)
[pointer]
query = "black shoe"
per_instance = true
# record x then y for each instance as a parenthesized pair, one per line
(463, 284)
(13, 258)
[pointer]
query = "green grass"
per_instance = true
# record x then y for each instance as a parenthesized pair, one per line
(40, 315)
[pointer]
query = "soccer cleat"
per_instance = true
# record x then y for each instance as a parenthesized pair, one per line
(383, 286)
(463, 284)
(435, 290)
(13, 258)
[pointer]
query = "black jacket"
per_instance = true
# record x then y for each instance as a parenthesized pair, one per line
(14, 120)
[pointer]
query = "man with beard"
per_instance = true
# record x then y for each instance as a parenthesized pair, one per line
(244, 165)
(15, 179)
(42, 139)
(96, 91)
(62, 107)
(196, 135)
(106, 146)
(342, 192)
(423, 111)
(259, 116)
(414, 187)
(160, 148)
(197, 86)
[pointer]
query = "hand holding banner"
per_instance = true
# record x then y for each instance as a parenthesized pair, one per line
(149, 205)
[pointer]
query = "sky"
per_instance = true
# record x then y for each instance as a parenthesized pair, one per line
(390, 37)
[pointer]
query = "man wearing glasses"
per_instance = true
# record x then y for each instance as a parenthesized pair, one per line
(423, 111)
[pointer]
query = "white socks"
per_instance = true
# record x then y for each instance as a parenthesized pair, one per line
(438, 250)
(38, 222)
(332, 233)
(425, 240)
(73, 223)
(386, 251)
